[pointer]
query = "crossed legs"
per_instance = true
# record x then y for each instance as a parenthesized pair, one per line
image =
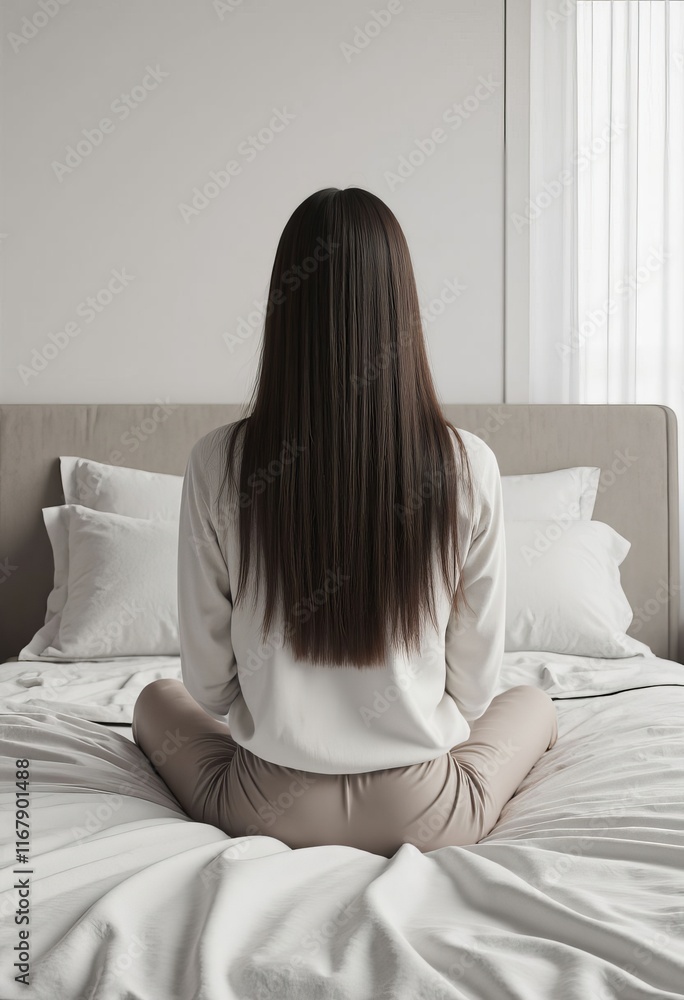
(179, 738)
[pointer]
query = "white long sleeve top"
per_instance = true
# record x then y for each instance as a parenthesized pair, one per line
(337, 719)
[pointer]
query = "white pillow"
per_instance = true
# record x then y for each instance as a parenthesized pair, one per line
(120, 590)
(563, 590)
(545, 496)
(119, 490)
(110, 488)
(569, 493)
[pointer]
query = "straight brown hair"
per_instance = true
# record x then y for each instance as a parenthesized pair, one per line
(348, 476)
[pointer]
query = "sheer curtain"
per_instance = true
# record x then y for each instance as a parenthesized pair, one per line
(606, 207)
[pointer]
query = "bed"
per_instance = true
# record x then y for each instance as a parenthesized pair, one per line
(577, 892)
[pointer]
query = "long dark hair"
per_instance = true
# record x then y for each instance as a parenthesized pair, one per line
(349, 477)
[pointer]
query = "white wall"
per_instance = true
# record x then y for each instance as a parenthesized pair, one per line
(161, 336)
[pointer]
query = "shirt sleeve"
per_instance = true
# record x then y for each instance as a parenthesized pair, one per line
(208, 665)
(475, 639)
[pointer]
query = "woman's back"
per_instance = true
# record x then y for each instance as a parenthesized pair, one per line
(335, 718)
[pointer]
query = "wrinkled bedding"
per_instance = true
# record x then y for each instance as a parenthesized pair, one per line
(578, 892)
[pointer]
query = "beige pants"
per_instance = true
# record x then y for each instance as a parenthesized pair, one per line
(452, 800)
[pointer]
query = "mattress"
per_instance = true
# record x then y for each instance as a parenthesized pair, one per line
(576, 892)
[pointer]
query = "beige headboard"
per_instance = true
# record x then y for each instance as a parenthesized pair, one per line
(635, 446)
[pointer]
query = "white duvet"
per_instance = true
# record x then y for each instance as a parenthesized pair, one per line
(578, 892)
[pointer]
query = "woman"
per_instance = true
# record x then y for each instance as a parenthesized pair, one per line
(342, 577)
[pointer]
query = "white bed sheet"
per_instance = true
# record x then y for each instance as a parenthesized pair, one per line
(102, 691)
(577, 893)
(106, 690)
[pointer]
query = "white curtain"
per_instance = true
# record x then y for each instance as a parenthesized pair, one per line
(606, 208)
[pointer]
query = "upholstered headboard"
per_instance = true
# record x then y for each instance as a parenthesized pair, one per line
(635, 446)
